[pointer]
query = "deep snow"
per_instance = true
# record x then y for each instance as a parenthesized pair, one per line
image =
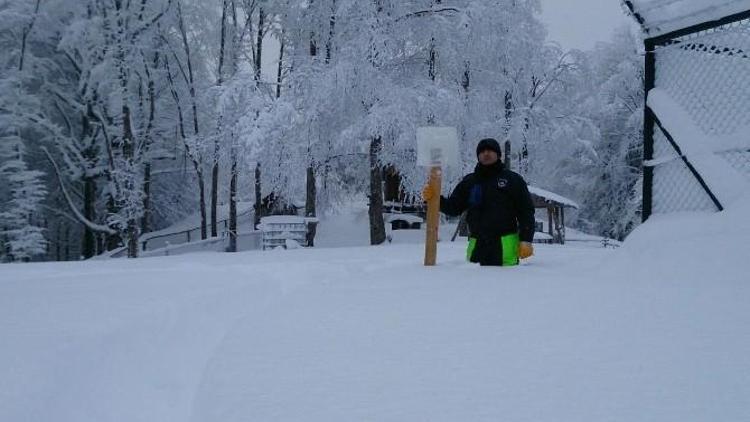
(653, 331)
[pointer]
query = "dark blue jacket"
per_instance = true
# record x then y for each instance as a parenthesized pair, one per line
(498, 203)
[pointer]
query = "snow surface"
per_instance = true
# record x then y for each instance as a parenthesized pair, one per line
(653, 331)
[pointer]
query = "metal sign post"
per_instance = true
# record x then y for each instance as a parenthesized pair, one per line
(437, 147)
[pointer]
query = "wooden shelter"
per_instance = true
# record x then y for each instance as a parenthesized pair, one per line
(554, 206)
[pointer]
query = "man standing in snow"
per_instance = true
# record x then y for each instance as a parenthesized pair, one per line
(500, 211)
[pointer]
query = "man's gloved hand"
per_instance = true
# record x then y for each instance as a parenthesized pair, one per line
(428, 193)
(525, 250)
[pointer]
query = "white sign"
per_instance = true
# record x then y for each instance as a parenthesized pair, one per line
(437, 146)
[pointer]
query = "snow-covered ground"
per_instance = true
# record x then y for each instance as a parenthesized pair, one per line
(656, 330)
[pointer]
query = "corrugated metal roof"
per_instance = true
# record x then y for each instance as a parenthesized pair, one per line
(659, 17)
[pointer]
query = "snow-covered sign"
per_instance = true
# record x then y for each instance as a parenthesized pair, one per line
(659, 17)
(437, 146)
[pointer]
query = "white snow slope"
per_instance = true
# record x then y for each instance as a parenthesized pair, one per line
(654, 331)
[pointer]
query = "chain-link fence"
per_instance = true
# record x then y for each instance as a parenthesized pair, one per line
(708, 74)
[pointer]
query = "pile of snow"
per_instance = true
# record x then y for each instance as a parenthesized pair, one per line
(655, 330)
(691, 247)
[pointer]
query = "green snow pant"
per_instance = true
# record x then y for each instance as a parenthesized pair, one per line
(498, 252)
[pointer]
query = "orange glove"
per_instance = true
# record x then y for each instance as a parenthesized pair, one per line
(428, 193)
(525, 250)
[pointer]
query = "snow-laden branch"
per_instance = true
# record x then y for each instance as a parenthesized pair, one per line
(88, 223)
(428, 12)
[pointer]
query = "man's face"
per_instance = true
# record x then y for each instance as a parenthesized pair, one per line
(487, 157)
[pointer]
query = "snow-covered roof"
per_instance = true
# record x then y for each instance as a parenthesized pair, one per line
(659, 17)
(286, 219)
(545, 194)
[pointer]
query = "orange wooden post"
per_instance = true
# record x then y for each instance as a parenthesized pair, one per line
(433, 216)
(437, 147)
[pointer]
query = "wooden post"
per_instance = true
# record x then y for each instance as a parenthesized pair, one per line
(437, 147)
(433, 217)
(562, 220)
(550, 230)
(558, 230)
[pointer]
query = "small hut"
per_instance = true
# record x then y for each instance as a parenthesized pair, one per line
(554, 207)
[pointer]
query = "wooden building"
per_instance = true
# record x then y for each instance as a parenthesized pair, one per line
(551, 223)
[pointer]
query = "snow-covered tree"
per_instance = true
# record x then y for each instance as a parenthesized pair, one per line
(128, 116)
(21, 229)
(612, 199)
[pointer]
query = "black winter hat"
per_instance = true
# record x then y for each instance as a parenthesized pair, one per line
(489, 143)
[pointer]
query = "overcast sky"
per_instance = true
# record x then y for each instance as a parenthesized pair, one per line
(581, 23)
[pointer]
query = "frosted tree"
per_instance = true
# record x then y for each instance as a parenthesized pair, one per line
(612, 199)
(21, 227)
(21, 224)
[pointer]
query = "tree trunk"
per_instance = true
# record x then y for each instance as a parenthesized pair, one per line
(58, 244)
(506, 156)
(217, 147)
(25, 35)
(133, 239)
(258, 198)
(377, 224)
(524, 158)
(89, 211)
(128, 153)
(67, 243)
(331, 32)
(311, 192)
(310, 204)
(280, 69)
(233, 206)
(259, 44)
(195, 158)
(214, 195)
(466, 79)
(508, 102)
(146, 219)
(202, 205)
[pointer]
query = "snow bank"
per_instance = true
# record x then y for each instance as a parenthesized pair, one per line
(691, 247)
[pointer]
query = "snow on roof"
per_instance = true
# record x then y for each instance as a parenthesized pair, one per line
(700, 148)
(553, 197)
(659, 17)
(283, 219)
